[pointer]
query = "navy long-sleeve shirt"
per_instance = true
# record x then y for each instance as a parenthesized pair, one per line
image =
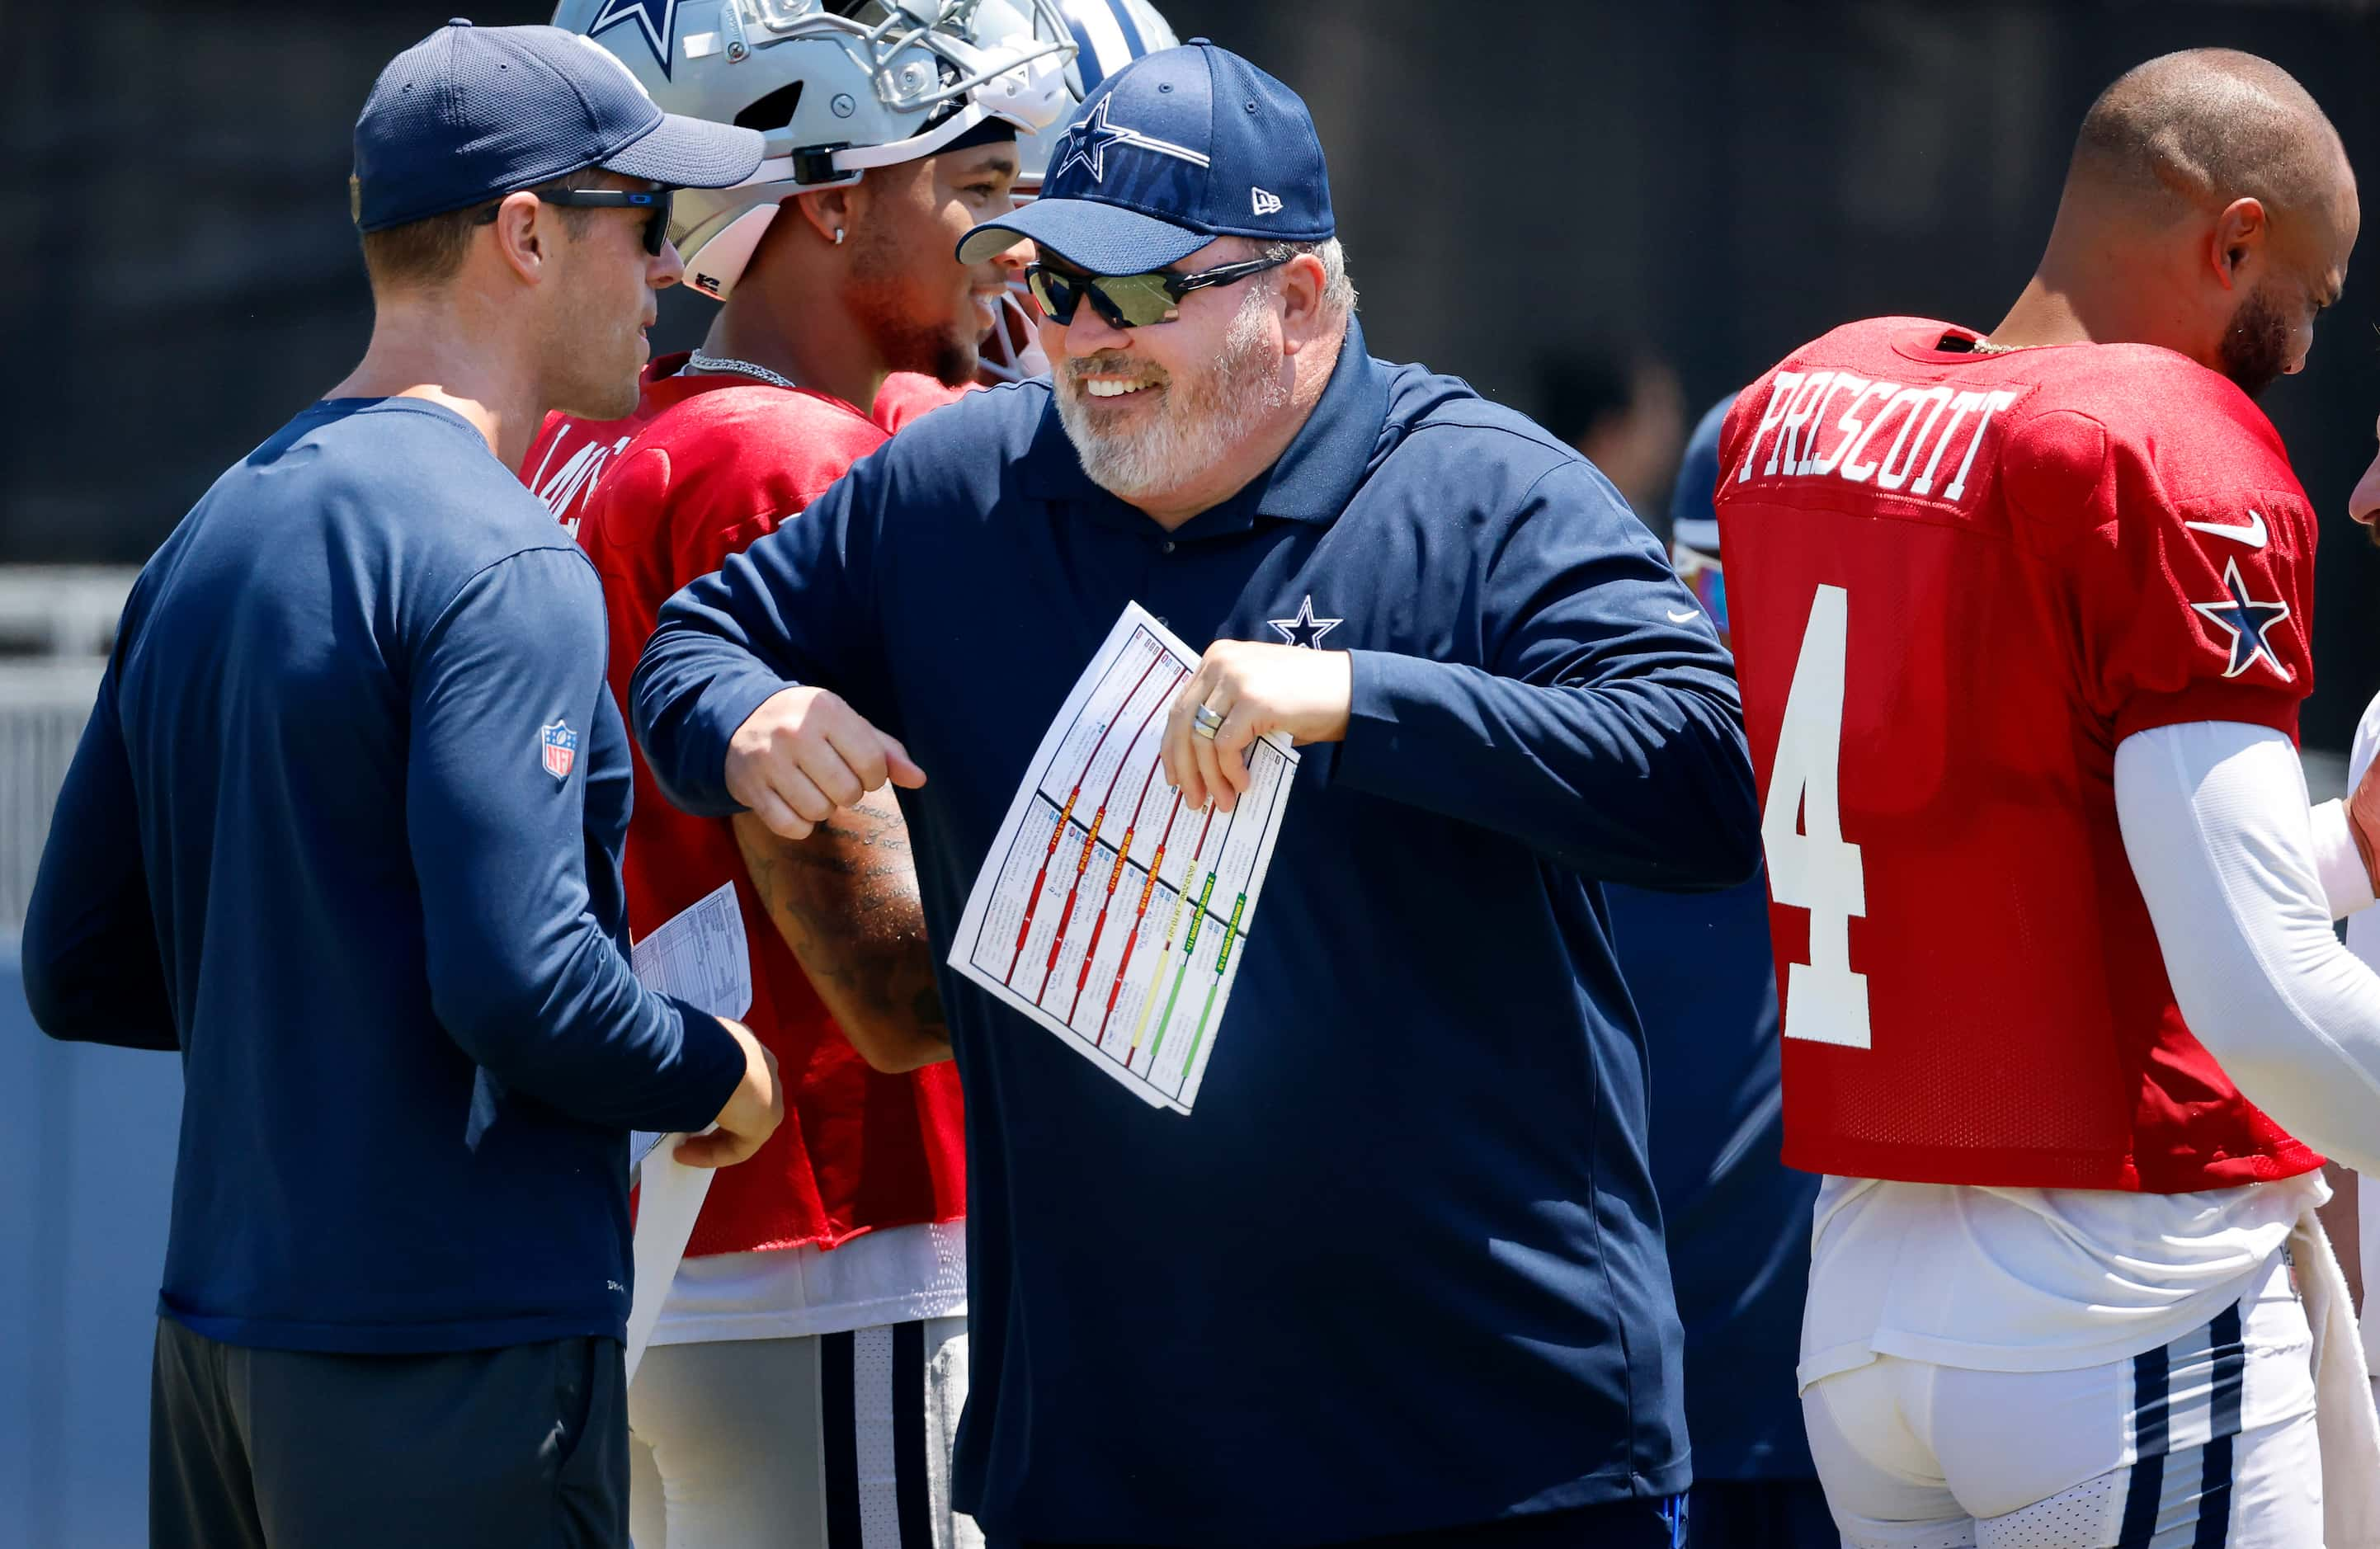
(344, 828)
(1402, 1268)
(1737, 1217)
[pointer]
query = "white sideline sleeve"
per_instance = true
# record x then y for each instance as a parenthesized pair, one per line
(2364, 940)
(2364, 929)
(2367, 1206)
(2345, 884)
(2214, 820)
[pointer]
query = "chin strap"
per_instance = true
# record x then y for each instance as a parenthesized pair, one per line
(714, 267)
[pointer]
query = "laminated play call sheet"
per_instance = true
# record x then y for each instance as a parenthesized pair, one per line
(1107, 912)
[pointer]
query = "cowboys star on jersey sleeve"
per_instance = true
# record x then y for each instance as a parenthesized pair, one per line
(2186, 576)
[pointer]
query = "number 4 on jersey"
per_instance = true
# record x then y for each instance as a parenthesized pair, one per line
(1809, 866)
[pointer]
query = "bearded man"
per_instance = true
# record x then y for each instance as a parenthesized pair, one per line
(1402, 1272)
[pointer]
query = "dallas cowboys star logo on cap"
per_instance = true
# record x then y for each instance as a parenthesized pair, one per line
(2247, 620)
(657, 19)
(1304, 628)
(1087, 142)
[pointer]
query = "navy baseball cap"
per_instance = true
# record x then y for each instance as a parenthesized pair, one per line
(471, 114)
(1176, 149)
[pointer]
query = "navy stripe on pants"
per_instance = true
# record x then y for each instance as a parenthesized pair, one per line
(839, 1441)
(909, 1436)
(2151, 1396)
(2228, 1346)
(863, 1426)
(2224, 1358)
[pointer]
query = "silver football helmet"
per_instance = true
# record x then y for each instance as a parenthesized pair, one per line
(1107, 35)
(834, 86)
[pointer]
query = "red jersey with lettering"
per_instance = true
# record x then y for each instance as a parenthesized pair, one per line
(569, 454)
(708, 465)
(1957, 580)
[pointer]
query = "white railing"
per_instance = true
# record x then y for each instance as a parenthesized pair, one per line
(61, 609)
(43, 707)
(56, 624)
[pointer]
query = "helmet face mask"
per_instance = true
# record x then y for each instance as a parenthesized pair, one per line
(833, 88)
(1110, 34)
(1011, 351)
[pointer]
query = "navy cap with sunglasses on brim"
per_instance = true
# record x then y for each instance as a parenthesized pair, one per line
(1173, 151)
(471, 114)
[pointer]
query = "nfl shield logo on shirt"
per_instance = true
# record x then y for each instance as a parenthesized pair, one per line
(560, 746)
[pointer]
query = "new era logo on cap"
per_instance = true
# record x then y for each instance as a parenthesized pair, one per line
(1174, 150)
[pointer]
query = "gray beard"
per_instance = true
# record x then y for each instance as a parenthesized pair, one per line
(1203, 418)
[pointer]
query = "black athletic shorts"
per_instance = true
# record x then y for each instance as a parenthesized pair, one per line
(522, 1447)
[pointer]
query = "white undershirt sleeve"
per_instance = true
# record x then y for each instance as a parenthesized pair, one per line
(2364, 940)
(2367, 1206)
(2345, 883)
(2215, 818)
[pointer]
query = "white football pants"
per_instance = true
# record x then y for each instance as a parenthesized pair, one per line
(2205, 1443)
(836, 1441)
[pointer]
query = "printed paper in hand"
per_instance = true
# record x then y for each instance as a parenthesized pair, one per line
(1105, 911)
(669, 1196)
(701, 956)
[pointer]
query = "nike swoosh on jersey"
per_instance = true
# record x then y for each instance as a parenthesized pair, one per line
(1682, 618)
(2252, 534)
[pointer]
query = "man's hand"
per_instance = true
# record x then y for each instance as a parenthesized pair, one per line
(2363, 821)
(753, 1111)
(804, 754)
(1257, 689)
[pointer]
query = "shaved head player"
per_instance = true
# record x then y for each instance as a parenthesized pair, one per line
(2021, 620)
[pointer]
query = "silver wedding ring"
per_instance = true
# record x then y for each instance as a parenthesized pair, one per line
(1204, 722)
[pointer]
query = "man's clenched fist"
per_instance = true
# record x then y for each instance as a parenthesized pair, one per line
(804, 754)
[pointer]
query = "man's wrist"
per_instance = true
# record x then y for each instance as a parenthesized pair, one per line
(725, 708)
(719, 1055)
(1333, 727)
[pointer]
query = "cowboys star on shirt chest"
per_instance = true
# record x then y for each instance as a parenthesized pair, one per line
(1370, 534)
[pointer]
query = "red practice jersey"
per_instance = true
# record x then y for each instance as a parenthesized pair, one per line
(708, 465)
(1956, 581)
(569, 455)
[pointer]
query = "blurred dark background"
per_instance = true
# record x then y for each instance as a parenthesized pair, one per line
(1700, 182)
(1598, 211)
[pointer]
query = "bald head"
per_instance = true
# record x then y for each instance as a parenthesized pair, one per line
(2200, 128)
(2209, 210)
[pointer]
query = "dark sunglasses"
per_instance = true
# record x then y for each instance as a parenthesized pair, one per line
(1130, 300)
(655, 200)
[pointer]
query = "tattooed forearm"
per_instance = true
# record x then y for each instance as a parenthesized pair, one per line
(845, 901)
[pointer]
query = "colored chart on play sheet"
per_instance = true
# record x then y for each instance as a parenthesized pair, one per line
(1106, 911)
